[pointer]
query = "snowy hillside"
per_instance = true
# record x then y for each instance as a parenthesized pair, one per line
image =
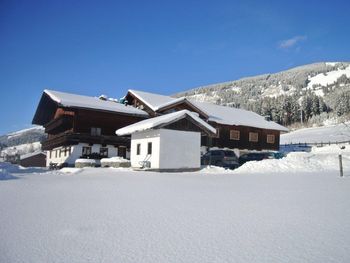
(294, 213)
(313, 89)
(34, 134)
(22, 142)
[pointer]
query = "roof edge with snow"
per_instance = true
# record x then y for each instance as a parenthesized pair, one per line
(164, 120)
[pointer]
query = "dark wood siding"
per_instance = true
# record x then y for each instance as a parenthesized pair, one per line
(108, 122)
(38, 160)
(243, 143)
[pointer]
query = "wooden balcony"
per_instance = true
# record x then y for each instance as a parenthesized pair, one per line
(59, 125)
(71, 138)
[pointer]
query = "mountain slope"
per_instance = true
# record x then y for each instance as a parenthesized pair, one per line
(31, 135)
(322, 84)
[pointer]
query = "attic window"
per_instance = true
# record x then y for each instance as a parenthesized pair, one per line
(270, 138)
(235, 135)
(253, 137)
(95, 131)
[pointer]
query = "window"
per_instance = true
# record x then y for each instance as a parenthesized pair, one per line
(270, 138)
(138, 149)
(149, 148)
(95, 131)
(86, 150)
(217, 135)
(55, 153)
(253, 137)
(104, 152)
(67, 151)
(50, 154)
(235, 135)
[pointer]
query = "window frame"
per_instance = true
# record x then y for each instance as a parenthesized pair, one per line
(104, 150)
(149, 148)
(138, 149)
(86, 147)
(238, 132)
(253, 137)
(270, 141)
(95, 131)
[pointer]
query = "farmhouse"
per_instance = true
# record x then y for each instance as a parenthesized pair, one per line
(235, 128)
(84, 127)
(168, 142)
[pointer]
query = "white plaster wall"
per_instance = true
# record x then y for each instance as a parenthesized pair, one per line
(76, 152)
(144, 138)
(179, 149)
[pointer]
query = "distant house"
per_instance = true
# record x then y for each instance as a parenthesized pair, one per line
(235, 128)
(35, 159)
(82, 126)
(168, 142)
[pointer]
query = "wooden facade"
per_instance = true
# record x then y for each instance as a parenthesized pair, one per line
(223, 138)
(69, 126)
(72, 125)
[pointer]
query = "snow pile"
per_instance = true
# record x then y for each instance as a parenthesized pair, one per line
(4, 173)
(319, 159)
(70, 170)
(80, 163)
(8, 170)
(115, 162)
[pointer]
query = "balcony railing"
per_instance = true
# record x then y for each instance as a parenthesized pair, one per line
(60, 124)
(71, 138)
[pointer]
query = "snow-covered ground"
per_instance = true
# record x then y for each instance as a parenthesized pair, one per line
(325, 134)
(261, 212)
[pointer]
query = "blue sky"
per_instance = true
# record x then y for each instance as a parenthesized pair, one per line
(107, 47)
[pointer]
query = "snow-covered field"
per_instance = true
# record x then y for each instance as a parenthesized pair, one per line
(325, 134)
(261, 212)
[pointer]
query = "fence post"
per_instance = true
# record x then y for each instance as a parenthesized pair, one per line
(341, 165)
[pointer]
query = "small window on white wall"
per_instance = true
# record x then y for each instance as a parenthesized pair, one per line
(104, 152)
(149, 148)
(86, 150)
(138, 149)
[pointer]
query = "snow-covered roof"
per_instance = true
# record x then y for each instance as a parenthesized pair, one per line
(81, 101)
(28, 155)
(233, 116)
(163, 121)
(155, 101)
(216, 113)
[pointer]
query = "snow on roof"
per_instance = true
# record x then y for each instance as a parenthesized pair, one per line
(155, 101)
(216, 113)
(163, 120)
(232, 116)
(25, 156)
(81, 101)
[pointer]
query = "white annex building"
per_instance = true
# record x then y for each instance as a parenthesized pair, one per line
(168, 142)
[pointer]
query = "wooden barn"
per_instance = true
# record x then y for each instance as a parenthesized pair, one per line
(35, 159)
